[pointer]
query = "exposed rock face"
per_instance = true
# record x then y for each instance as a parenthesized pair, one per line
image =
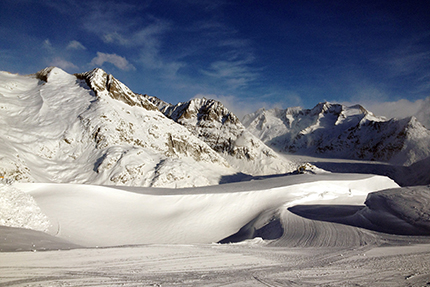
(210, 121)
(160, 104)
(333, 130)
(100, 82)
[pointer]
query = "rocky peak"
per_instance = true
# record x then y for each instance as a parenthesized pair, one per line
(213, 123)
(43, 74)
(362, 109)
(203, 111)
(102, 83)
(327, 108)
(160, 104)
(51, 74)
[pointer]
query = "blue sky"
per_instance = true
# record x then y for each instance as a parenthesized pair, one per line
(247, 54)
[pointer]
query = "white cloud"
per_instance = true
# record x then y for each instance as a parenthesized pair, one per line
(63, 64)
(234, 73)
(114, 59)
(404, 108)
(115, 37)
(239, 106)
(47, 45)
(75, 45)
(400, 109)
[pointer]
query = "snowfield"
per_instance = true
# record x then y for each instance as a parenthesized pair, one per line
(107, 216)
(149, 236)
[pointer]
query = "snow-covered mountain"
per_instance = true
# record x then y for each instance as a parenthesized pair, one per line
(213, 123)
(334, 130)
(90, 128)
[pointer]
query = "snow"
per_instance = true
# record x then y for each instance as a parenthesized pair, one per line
(168, 265)
(72, 144)
(166, 236)
(213, 123)
(57, 129)
(91, 215)
(18, 209)
(176, 228)
(333, 130)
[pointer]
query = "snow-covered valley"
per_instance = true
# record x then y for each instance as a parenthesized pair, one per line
(303, 230)
(104, 187)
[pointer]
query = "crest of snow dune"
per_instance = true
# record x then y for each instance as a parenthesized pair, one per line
(210, 121)
(107, 216)
(91, 128)
(334, 130)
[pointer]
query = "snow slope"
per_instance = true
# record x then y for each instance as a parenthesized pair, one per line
(219, 265)
(213, 123)
(319, 216)
(90, 128)
(91, 215)
(334, 130)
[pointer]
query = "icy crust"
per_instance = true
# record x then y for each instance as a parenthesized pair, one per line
(334, 130)
(18, 209)
(210, 121)
(58, 129)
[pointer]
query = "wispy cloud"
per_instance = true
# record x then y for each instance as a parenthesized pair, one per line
(47, 45)
(75, 45)
(63, 64)
(399, 109)
(409, 60)
(202, 54)
(140, 37)
(234, 73)
(242, 106)
(114, 59)
(115, 37)
(98, 17)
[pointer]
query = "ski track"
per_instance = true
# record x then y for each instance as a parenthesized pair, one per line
(302, 232)
(310, 253)
(219, 265)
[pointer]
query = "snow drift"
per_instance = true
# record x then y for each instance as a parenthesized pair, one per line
(90, 215)
(402, 211)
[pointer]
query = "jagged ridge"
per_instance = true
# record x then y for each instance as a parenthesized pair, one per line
(334, 130)
(101, 82)
(213, 123)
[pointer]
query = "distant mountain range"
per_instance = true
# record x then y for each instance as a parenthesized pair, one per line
(91, 128)
(334, 130)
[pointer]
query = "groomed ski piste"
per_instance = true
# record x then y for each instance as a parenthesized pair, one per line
(309, 229)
